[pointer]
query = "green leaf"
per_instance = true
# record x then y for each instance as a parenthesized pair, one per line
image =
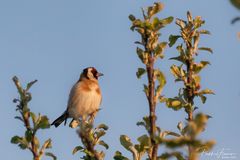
(140, 123)
(49, 154)
(177, 71)
(144, 141)
(180, 49)
(102, 143)
(34, 118)
(180, 126)
(189, 16)
(103, 126)
(156, 23)
(179, 156)
(126, 142)
(198, 22)
(28, 135)
(160, 49)
(16, 139)
(162, 99)
(172, 39)
(161, 78)
(204, 63)
(203, 98)
(181, 23)
(142, 55)
(132, 17)
(118, 156)
(166, 21)
(164, 156)
(163, 45)
(76, 149)
(179, 58)
(145, 123)
(205, 91)
(23, 145)
(22, 142)
(204, 32)
(236, 3)
(206, 49)
(198, 67)
(174, 103)
(100, 133)
(139, 148)
(47, 144)
(136, 24)
(146, 90)
(152, 10)
(29, 85)
(140, 72)
(169, 133)
(43, 123)
(88, 152)
(196, 79)
(140, 31)
(182, 57)
(147, 25)
(19, 118)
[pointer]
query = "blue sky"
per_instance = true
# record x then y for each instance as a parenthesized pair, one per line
(52, 41)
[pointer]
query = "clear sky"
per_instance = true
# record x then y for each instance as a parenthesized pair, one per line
(52, 41)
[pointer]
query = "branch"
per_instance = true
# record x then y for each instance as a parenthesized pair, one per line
(29, 141)
(90, 138)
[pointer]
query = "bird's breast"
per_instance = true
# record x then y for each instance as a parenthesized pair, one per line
(84, 99)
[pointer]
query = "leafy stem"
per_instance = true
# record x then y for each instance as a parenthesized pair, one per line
(188, 73)
(32, 124)
(149, 51)
(90, 138)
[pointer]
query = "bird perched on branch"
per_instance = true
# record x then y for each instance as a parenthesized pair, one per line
(84, 98)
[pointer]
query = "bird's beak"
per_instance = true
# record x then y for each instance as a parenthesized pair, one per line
(100, 74)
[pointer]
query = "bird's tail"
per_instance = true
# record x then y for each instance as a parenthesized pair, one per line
(60, 119)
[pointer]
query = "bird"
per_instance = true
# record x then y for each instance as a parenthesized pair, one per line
(84, 99)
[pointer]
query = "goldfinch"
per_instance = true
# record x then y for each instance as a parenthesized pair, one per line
(84, 98)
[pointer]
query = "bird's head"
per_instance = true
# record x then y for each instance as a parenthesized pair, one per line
(90, 73)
